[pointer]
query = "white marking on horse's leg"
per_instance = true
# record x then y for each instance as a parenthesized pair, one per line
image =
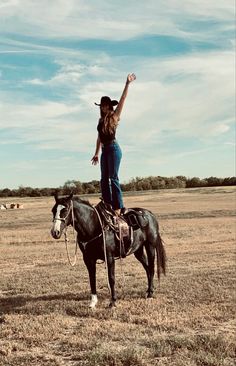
(57, 222)
(93, 301)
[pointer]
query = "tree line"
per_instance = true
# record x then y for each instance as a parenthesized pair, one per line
(135, 184)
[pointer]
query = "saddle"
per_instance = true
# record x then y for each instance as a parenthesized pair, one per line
(123, 225)
(136, 218)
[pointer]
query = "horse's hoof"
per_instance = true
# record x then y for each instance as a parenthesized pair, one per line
(149, 296)
(93, 301)
(112, 304)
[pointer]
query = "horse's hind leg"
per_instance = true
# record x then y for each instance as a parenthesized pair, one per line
(151, 267)
(140, 255)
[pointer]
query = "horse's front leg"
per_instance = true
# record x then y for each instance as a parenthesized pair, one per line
(91, 266)
(111, 277)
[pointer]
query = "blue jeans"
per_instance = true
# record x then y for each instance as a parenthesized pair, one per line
(110, 185)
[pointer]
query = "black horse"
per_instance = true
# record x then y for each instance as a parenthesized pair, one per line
(74, 211)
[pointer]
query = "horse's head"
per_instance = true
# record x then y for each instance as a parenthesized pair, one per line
(61, 215)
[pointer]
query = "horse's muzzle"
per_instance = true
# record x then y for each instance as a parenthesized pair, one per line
(56, 234)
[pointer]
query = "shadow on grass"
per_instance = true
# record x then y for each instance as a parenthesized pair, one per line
(69, 304)
(38, 304)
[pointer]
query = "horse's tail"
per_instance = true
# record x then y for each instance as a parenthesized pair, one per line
(161, 257)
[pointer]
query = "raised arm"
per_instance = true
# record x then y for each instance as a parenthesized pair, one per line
(118, 110)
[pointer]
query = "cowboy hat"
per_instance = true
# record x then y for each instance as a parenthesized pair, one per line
(107, 100)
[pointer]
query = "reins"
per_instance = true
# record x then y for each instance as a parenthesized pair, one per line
(65, 233)
(76, 242)
(104, 247)
(66, 239)
(73, 263)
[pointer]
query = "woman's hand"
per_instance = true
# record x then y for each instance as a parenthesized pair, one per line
(131, 77)
(94, 159)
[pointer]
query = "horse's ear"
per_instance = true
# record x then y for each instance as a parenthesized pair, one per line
(56, 196)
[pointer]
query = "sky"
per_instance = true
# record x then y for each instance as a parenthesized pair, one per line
(59, 57)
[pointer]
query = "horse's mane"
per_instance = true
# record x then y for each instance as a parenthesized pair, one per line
(80, 200)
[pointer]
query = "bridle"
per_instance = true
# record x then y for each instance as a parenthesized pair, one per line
(63, 219)
(64, 231)
(102, 234)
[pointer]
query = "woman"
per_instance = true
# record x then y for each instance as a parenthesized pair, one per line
(111, 152)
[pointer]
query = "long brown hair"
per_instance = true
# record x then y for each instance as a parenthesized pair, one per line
(110, 120)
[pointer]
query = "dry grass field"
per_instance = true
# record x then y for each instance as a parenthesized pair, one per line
(44, 314)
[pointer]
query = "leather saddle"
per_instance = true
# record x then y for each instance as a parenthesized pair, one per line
(136, 218)
(123, 225)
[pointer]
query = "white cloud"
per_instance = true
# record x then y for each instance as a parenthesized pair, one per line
(193, 95)
(48, 125)
(28, 115)
(117, 20)
(190, 97)
(182, 95)
(35, 82)
(71, 73)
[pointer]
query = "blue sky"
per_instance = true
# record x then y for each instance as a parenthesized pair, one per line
(57, 58)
